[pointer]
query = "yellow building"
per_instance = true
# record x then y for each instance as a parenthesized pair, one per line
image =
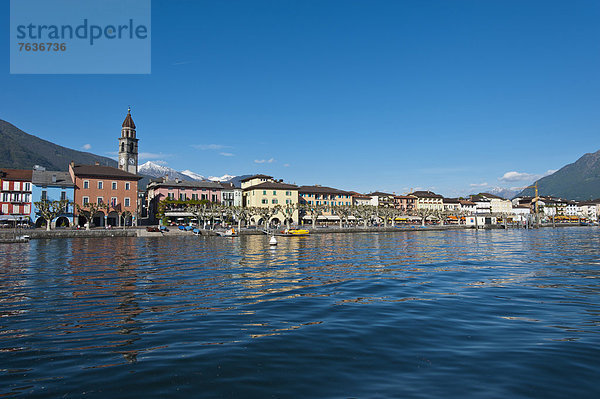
(428, 200)
(261, 191)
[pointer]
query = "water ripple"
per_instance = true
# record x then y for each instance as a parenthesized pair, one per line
(410, 314)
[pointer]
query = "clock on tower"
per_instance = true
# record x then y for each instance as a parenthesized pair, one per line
(128, 146)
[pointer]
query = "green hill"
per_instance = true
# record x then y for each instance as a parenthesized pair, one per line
(19, 150)
(577, 181)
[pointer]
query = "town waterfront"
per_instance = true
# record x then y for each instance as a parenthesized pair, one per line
(496, 313)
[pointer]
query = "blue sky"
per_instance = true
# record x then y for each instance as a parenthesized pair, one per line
(377, 95)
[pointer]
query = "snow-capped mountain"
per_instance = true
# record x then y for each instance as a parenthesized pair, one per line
(193, 175)
(155, 170)
(222, 178)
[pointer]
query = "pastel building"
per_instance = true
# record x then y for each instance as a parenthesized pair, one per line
(428, 200)
(261, 191)
(15, 195)
(231, 195)
(52, 186)
(181, 190)
(105, 185)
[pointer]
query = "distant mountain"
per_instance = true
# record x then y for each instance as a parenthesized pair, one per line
(155, 170)
(577, 181)
(193, 175)
(506, 193)
(19, 150)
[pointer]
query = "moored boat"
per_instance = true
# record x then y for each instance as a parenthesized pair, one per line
(293, 232)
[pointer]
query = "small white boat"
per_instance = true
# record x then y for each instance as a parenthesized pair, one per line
(228, 233)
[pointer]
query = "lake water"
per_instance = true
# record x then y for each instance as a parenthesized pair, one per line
(494, 314)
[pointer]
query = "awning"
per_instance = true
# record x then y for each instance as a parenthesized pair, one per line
(13, 218)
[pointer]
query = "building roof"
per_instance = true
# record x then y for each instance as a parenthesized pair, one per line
(466, 202)
(271, 185)
(451, 201)
(103, 171)
(412, 197)
(183, 184)
(128, 122)
(359, 195)
(16, 174)
(52, 178)
(380, 194)
(426, 194)
(322, 190)
(229, 186)
(256, 177)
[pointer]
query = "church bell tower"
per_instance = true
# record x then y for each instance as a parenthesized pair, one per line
(128, 146)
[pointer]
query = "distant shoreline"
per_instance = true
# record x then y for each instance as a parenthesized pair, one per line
(141, 231)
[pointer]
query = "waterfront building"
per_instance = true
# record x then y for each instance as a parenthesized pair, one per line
(325, 196)
(105, 185)
(321, 195)
(428, 200)
(15, 195)
(490, 203)
(451, 204)
(261, 191)
(589, 210)
(469, 207)
(572, 209)
(231, 195)
(381, 199)
(181, 190)
(254, 180)
(406, 203)
(52, 186)
(360, 199)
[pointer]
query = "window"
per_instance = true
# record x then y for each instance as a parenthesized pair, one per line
(203, 196)
(26, 209)
(273, 201)
(274, 192)
(264, 192)
(26, 186)
(100, 200)
(63, 195)
(44, 195)
(170, 196)
(288, 193)
(182, 197)
(114, 185)
(127, 201)
(113, 201)
(17, 186)
(288, 201)
(16, 209)
(265, 201)
(195, 197)
(4, 197)
(86, 184)
(100, 185)
(127, 186)
(214, 198)
(85, 200)
(5, 187)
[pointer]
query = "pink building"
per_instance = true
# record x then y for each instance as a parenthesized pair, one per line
(181, 190)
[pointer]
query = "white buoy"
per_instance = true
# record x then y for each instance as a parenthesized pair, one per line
(273, 241)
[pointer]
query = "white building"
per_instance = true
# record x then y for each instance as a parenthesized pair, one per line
(231, 195)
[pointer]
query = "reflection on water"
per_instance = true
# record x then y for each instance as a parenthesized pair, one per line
(420, 314)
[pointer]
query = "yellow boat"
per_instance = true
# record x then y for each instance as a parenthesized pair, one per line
(294, 232)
